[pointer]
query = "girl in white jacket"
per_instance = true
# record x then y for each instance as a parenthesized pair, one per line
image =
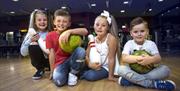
(34, 41)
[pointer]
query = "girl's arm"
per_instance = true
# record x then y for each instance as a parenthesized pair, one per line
(24, 46)
(112, 44)
(87, 55)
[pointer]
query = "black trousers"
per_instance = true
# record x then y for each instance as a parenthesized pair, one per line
(37, 57)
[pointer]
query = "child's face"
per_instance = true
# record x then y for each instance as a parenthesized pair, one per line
(62, 23)
(139, 33)
(41, 21)
(101, 26)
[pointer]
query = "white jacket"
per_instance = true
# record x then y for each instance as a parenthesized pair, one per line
(27, 41)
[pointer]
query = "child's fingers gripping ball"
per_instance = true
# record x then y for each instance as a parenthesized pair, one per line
(73, 42)
(140, 68)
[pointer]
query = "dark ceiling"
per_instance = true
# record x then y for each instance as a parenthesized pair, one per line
(133, 8)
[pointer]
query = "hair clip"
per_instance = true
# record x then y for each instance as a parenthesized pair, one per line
(107, 15)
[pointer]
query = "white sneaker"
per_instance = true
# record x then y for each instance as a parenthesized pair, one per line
(72, 79)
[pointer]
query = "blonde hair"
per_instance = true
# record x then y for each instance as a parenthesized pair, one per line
(113, 29)
(33, 17)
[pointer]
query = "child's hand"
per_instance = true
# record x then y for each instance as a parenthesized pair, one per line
(35, 38)
(139, 58)
(51, 76)
(95, 66)
(146, 60)
(65, 36)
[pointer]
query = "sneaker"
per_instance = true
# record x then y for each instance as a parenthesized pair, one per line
(38, 75)
(165, 85)
(72, 79)
(123, 82)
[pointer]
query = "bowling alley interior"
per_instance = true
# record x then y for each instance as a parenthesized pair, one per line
(17, 71)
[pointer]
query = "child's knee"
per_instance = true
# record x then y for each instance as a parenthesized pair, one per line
(166, 70)
(81, 52)
(59, 82)
(59, 79)
(122, 70)
(90, 76)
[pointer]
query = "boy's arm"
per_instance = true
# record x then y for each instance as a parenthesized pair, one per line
(126, 54)
(143, 60)
(156, 59)
(150, 60)
(51, 61)
(79, 31)
(76, 31)
(126, 58)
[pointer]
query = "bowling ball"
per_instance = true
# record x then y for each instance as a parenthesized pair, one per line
(73, 42)
(140, 68)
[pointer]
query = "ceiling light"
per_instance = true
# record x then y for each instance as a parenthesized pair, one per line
(93, 5)
(122, 11)
(15, 0)
(150, 9)
(125, 2)
(160, 0)
(63, 7)
(12, 12)
(123, 26)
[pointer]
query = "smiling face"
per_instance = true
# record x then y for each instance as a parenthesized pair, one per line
(139, 33)
(41, 21)
(101, 26)
(62, 23)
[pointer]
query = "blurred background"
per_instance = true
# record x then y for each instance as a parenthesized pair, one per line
(162, 15)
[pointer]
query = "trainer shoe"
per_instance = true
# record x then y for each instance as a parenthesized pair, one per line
(72, 79)
(123, 82)
(38, 75)
(167, 85)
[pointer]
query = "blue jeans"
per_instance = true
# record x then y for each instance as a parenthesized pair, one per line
(145, 80)
(60, 74)
(93, 75)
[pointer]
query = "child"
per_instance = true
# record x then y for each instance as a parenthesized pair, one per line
(64, 66)
(107, 44)
(35, 41)
(153, 79)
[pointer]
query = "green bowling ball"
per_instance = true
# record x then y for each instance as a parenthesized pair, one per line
(71, 45)
(140, 68)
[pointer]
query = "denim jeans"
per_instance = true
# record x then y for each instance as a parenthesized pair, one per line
(60, 74)
(93, 75)
(144, 80)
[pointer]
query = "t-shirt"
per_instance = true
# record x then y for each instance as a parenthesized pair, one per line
(148, 46)
(52, 42)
